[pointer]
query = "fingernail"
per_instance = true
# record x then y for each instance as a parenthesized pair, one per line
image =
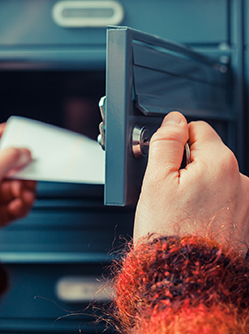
(173, 118)
(25, 155)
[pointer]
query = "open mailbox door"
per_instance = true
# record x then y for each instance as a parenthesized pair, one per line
(147, 77)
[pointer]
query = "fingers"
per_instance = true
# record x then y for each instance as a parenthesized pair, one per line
(167, 144)
(19, 207)
(10, 189)
(16, 199)
(207, 146)
(13, 158)
(202, 133)
(16, 196)
(2, 126)
(16, 209)
(30, 184)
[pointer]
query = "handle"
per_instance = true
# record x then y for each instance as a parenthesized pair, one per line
(78, 14)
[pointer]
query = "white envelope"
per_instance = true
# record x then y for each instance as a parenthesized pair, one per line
(58, 154)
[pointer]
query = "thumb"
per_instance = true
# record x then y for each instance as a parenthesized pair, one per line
(13, 158)
(167, 144)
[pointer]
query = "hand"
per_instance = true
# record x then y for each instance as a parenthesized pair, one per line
(16, 196)
(209, 197)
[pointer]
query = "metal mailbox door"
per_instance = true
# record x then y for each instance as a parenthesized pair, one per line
(147, 77)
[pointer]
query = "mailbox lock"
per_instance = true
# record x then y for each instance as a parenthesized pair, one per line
(140, 134)
(140, 141)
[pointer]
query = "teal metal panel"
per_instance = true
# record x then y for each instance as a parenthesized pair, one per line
(191, 21)
(29, 22)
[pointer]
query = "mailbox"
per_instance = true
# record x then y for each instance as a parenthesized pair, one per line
(146, 78)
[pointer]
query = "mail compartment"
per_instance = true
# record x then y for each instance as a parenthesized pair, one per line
(33, 304)
(183, 21)
(33, 23)
(58, 261)
(66, 99)
(76, 229)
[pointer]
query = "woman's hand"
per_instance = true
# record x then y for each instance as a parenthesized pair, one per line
(16, 196)
(209, 197)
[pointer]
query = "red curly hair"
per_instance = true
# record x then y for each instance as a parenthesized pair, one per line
(176, 285)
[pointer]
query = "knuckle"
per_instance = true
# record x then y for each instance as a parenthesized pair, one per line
(13, 153)
(170, 133)
(198, 122)
(225, 166)
(203, 168)
(230, 163)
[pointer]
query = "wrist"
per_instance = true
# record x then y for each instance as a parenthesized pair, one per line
(169, 273)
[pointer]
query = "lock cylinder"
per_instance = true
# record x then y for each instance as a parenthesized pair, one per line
(140, 141)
